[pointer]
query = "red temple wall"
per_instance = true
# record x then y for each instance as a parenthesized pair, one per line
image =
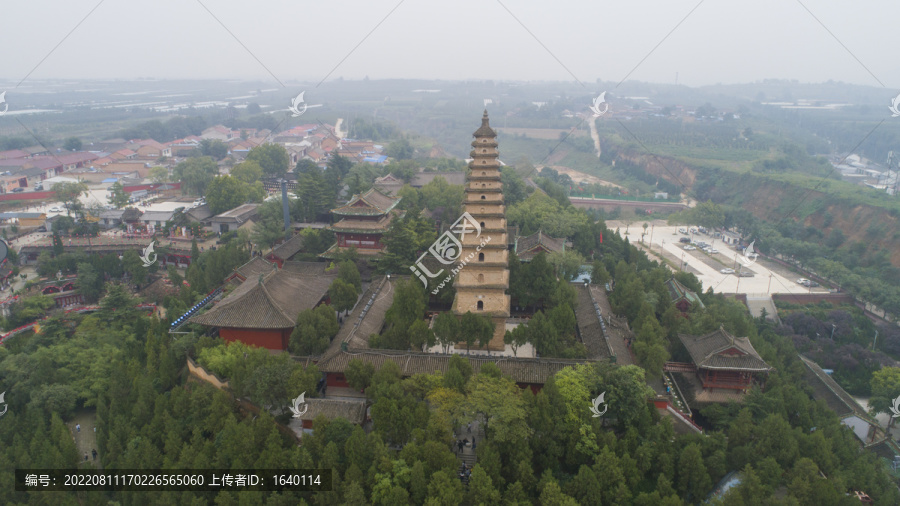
(275, 339)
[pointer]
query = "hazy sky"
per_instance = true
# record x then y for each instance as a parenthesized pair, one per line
(722, 41)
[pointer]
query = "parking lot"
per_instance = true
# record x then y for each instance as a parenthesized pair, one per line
(664, 239)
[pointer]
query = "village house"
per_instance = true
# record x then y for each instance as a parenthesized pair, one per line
(233, 219)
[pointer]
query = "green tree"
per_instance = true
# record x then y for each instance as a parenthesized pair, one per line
(359, 374)
(444, 490)
(343, 295)
(446, 330)
(273, 159)
(516, 338)
(269, 226)
(90, 283)
(72, 144)
(348, 272)
(400, 149)
(247, 172)
(214, 149)
(224, 193)
(158, 174)
(420, 335)
(195, 174)
(693, 480)
(481, 488)
(70, 195)
(885, 388)
(118, 197)
(134, 266)
(497, 399)
(475, 328)
(314, 331)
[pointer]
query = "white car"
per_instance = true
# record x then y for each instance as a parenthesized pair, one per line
(682, 230)
(713, 250)
(55, 210)
(803, 281)
(727, 270)
(689, 248)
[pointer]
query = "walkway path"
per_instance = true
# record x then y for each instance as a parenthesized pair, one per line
(467, 455)
(86, 438)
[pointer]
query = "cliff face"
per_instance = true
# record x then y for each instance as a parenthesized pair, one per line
(772, 201)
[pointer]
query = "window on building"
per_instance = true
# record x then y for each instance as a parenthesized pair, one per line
(481, 257)
(482, 197)
(482, 224)
(480, 277)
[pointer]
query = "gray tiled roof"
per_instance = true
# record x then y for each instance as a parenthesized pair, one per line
(358, 327)
(352, 410)
(289, 248)
(707, 352)
(268, 301)
(589, 326)
(826, 389)
(521, 370)
(255, 267)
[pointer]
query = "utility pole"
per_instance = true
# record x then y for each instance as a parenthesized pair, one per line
(285, 209)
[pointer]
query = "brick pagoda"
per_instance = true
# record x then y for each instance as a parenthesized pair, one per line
(481, 285)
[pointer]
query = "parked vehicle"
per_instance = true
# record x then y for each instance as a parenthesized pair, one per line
(685, 240)
(54, 209)
(713, 250)
(689, 248)
(683, 230)
(746, 274)
(18, 189)
(727, 270)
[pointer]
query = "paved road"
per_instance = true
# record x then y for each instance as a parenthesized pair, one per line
(769, 278)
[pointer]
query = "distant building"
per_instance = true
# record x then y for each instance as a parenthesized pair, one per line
(233, 219)
(263, 310)
(731, 238)
(682, 297)
(363, 222)
(286, 250)
(527, 247)
(724, 361)
(389, 184)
